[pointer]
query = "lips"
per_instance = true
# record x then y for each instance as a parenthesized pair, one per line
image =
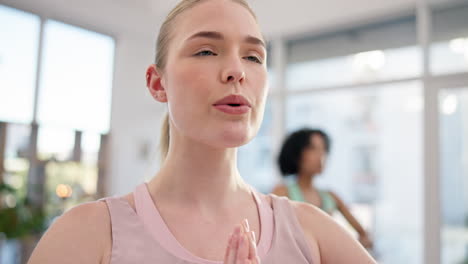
(233, 104)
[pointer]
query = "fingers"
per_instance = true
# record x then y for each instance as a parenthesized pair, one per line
(233, 245)
(256, 260)
(252, 244)
(243, 251)
(242, 247)
(228, 250)
(245, 225)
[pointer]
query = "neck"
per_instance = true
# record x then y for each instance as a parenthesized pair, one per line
(198, 174)
(305, 181)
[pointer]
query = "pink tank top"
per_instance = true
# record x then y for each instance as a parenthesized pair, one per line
(142, 237)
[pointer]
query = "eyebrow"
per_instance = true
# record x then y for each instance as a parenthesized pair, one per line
(218, 36)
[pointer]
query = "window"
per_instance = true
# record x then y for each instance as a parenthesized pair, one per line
(19, 34)
(363, 67)
(449, 52)
(16, 157)
(375, 160)
(354, 56)
(454, 172)
(76, 78)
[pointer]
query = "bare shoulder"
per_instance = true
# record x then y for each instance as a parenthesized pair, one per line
(333, 243)
(280, 190)
(312, 219)
(81, 235)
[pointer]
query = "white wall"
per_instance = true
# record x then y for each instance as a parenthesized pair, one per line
(135, 117)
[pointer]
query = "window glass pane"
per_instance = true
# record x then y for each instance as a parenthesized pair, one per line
(449, 52)
(76, 78)
(16, 157)
(375, 160)
(68, 182)
(89, 162)
(450, 56)
(90, 146)
(383, 35)
(381, 51)
(454, 174)
(55, 143)
(19, 34)
(377, 65)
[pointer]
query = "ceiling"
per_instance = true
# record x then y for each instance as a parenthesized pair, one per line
(292, 17)
(277, 17)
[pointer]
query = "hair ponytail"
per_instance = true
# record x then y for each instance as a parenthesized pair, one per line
(164, 141)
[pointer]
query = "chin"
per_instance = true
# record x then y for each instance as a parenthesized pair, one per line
(236, 136)
(227, 134)
(226, 140)
(231, 139)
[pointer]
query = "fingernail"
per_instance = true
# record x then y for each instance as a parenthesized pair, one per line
(246, 224)
(242, 226)
(252, 233)
(253, 241)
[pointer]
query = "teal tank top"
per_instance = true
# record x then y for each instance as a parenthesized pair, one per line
(327, 203)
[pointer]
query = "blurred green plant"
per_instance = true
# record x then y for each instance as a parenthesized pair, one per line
(22, 219)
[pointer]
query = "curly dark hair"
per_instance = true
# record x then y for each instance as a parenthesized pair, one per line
(291, 151)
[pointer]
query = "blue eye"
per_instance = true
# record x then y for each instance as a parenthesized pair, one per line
(205, 53)
(254, 59)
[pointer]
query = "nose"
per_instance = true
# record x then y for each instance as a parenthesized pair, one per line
(233, 72)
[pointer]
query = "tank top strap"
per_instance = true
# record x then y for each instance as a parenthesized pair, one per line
(267, 223)
(294, 192)
(121, 214)
(130, 242)
(157, 228)
(328, 202)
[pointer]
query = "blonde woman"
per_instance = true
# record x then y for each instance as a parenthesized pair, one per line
(210, 70)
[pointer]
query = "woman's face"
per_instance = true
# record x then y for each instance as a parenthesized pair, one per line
(314, 156)
(216, 51)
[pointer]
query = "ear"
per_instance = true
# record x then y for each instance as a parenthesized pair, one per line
(154, 84)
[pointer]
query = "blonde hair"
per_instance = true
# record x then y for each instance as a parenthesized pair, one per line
(162, 49)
